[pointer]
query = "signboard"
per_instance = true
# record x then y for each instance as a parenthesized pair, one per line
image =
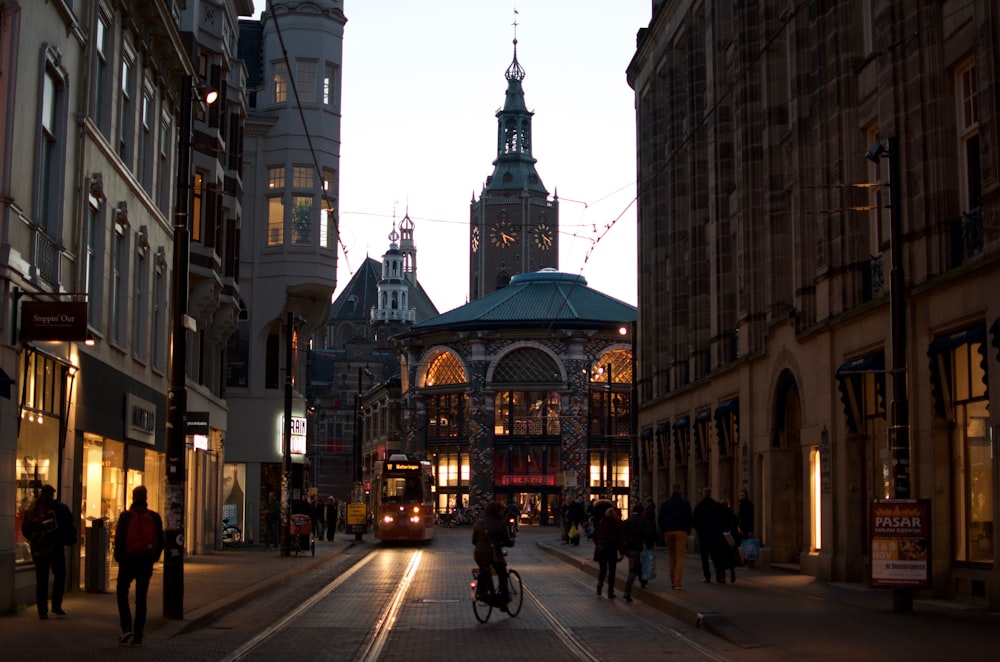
(901, 543)
(53, 320)
(297, 440)
(140, 419)
(357, 517)
(527, 480)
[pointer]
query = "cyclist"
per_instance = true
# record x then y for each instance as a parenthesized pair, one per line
(490, 536)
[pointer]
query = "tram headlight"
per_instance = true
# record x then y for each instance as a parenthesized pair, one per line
(416, 510)
(387, 519)
(415, 519)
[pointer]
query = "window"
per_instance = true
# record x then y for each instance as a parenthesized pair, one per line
(197, 190)
(280, 81)
(51, 153)
(302, 177)
(970, 170)
(160, 311)
(275, 221)
(276, 178)
(164, 188)
(272, 355)
(140, 305)
(102, 75)
(446, 415)
(301, 219)
(93, 266)
(147, 117)
(119, 280)
(526, 413)
(328, 229)
(305, 81)
(329, 84)
(126, 112)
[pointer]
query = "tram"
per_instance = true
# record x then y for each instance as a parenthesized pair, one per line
(402, 501)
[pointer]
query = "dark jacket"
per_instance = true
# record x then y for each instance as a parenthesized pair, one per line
(675, 514)
(707, 518)
(607, 538)
(637, 532)
(490, 536)
(48, 526)
(746, 516)
(121, 537)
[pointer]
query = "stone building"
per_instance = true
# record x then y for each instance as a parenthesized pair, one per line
(781, 347)
(523, 395)
(95, 96)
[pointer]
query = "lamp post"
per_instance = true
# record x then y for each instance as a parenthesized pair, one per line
(286, 443)
(176, 446)
(899, 431)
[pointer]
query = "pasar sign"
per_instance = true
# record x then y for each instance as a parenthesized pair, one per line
(900, 543)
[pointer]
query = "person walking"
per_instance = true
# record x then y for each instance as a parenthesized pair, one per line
(729, 550)
(138, 545)
(577, 518)
(637, 532)
(674, 519)
(48, 528)
(607, 544)
(330, 517)
(706, 519)
(272, 516)
(745, 513)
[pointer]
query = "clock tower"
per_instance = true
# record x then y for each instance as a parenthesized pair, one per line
(513, 226)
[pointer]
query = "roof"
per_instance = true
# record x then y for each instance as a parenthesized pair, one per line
(543, 298)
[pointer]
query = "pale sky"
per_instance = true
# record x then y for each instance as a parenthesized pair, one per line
(422, 82)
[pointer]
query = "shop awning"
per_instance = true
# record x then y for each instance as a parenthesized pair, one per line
(647, 434)
(5, 383)
(663, 428)
(940, 352)
(726, 414)
(850, 377)
(995, 329)
(701, 420)
(681, 440)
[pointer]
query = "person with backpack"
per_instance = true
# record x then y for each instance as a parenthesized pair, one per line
(636, 533)
(138, 544)
(48, 528)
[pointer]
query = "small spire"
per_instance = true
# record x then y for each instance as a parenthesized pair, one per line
(515, 71)
(393, 236)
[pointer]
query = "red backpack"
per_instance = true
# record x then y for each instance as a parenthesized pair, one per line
(141, 538)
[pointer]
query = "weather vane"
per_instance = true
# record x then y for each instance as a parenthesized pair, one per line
(515, 25)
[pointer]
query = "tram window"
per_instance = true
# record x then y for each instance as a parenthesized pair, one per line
(409, 489)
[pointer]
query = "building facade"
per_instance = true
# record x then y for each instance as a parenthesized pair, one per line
(523, 396)
(288, 258)
(781, 347)
(93, 99)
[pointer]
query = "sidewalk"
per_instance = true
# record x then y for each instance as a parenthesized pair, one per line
(792, 613)
(214, 584)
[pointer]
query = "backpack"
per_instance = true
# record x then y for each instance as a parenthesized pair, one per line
(141, 537)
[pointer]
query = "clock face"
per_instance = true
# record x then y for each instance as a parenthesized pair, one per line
(475, 239)
(543, 236)
(503, 234)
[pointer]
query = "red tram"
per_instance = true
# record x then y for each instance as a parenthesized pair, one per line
(402, 499)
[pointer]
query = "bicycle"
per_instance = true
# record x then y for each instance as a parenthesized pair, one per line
(231, 535)
(483, 605)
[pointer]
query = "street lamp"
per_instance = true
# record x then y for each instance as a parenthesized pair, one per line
(173, 553)
(899, 431)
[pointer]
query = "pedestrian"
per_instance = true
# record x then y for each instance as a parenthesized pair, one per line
(674, 519)
(138, 545)
(490, 535)
(636, 534)
(330, 517)
(272, 516)
(745, 514)
(48, 528)
(729, 551)
(707, 521)
(564, 521)
(577, 517)
(607, 543)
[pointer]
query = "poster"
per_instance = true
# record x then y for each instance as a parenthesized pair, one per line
(900, 543)
(233, 480)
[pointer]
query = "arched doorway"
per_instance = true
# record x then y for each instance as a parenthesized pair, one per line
(786, 532)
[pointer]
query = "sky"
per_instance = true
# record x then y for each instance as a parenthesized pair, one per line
(421, 85)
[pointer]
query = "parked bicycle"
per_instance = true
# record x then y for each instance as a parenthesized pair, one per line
(482, 605)
(231, 535)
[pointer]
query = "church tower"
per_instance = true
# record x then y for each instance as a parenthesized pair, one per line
(514, 224)
(392, 311)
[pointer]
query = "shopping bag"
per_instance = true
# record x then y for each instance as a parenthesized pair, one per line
(648, 562)
(751, 549)
(573, 533)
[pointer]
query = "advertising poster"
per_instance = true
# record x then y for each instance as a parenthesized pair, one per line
(233, 479)
(901, 537)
